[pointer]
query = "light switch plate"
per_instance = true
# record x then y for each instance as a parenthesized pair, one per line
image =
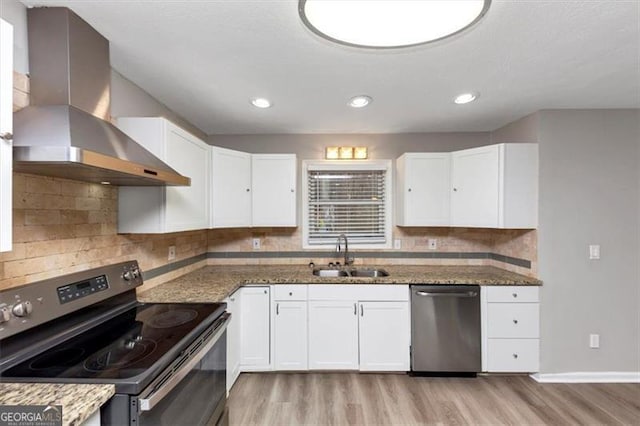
(594, 251)
(256, 243)
(594, 341)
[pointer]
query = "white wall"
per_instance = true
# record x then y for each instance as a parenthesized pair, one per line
(589, 194)
(15, 13)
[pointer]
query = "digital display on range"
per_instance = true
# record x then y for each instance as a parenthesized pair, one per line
(71, 292)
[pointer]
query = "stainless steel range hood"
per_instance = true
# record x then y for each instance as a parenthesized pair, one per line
(66, 131)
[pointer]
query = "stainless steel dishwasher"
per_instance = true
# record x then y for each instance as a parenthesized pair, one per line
(445, 329)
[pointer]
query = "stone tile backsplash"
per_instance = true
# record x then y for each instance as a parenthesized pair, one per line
(63, 226)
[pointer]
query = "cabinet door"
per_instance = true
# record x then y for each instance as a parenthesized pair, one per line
(424, 189)
(187, 208)
(475, 187)
(290, 340)
(384, 336)
(6, 129)
(230, 188)
(273, 178)
(254, 329)
(333, 335)
(233, 338)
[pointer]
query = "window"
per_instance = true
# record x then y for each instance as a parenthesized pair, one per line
(351, 198)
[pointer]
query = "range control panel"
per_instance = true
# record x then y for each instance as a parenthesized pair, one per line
(75, 291)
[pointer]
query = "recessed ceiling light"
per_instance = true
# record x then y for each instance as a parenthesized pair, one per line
(261, 102)
(360, 101)
(465, 98)
(104, 182)
(389, 23)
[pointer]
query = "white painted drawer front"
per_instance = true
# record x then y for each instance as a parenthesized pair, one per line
(513, 355)
(519, 320)
(290, 292)
(512, 294)
(361, 292)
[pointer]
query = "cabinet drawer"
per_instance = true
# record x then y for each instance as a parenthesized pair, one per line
(290, 292)
(513, 355)
(519, 320)
(512, 294)
(360, 292)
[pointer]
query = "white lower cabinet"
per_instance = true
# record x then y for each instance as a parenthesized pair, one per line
(510, 328)
(333, 335)
(233, 338)
(384, 336)
(290, 335)
(255, 329)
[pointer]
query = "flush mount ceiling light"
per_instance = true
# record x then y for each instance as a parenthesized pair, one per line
(465, 98)
(360, 101)
(389, 23)
(261, 102)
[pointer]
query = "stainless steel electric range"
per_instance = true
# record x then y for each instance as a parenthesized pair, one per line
(166, 360)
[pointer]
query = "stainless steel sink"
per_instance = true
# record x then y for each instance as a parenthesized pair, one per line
(330, 273)
(369, 273)
(360, 273)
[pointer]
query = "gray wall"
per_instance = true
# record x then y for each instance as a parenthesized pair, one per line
(589, 194)
(381, 146)
(15, 13)
(128, 99)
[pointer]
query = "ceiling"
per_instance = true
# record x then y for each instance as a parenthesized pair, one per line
(207, 59)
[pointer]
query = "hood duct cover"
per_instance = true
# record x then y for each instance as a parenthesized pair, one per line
(65, 132)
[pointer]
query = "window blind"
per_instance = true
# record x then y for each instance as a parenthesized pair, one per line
(350, 202)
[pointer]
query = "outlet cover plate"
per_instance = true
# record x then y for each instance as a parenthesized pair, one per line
(432, 243)
(255, 243)
(172, 253)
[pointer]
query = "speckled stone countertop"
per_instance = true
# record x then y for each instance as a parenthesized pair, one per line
(78, 401)
(214, 283)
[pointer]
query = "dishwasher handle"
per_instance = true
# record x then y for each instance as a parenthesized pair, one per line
(445, 294)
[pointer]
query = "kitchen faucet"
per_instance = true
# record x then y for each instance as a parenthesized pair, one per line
(347, 261)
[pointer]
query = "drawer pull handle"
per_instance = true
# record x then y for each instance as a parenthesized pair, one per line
(515, 356)
(515, 295)
(515, 321)
(277, 309)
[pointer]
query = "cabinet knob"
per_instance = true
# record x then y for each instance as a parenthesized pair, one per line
(292, 190)
(265, 292)
(290, 293)
(409, 190)
(233, 299)
(248, 190)
(515, 295)
(515, 321)
(7, 136)
(515, 356)
(455, 189)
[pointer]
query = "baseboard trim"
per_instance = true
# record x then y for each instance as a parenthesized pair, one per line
(588, 377)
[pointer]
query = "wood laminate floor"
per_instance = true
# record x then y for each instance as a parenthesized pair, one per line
(397, 399)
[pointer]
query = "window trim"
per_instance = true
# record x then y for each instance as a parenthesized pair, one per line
(348, 165)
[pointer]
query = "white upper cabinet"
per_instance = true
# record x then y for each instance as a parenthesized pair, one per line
(423, 189)
(495, 186)
(252, 190)
(6, 131)
(166, 209)
(273, 186)
(230, 188)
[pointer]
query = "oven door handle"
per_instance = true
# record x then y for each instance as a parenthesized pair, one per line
(153, 395)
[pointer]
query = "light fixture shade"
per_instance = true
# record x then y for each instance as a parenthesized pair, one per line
(346, 152)
(331, 153)
(390, 23)
(360, 153)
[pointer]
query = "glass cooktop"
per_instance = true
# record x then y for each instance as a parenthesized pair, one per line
(126, 346)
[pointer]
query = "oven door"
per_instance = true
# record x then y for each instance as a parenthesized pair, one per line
(192, 390)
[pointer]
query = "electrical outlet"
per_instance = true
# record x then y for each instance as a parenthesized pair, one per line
(256, 243)
(594, 251)
(594, 341)
(172, 253)
(397, 244)
(432, 243)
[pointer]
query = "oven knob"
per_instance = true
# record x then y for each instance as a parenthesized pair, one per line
(5, 314)
(22, 309)
(128, 276)
(136, 272)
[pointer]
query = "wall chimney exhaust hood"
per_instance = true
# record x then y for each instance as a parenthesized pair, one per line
(66, 131)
